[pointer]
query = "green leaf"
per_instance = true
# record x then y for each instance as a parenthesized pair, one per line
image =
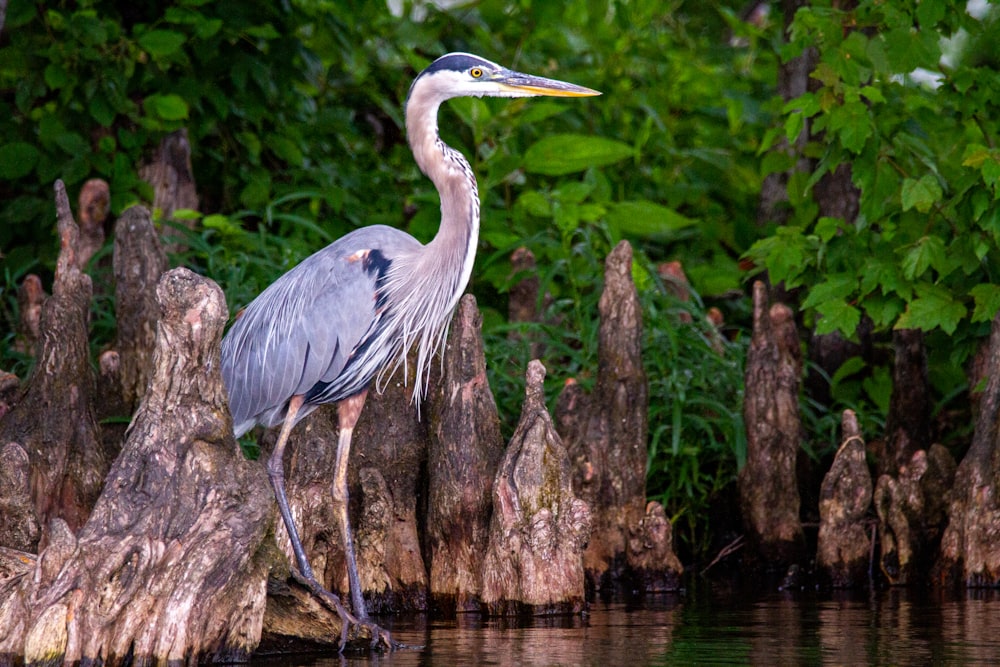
(837, 315)
(166, 107)
(17, 159)
(922, 194)
(827, 227)
(934, 307)
(535, 203)
(56, 76)
(927, 253)
(853, 125)
(835, 287)
(159, 43)
(561, 154)
(646, 218)
(987, 298)
(907, 48)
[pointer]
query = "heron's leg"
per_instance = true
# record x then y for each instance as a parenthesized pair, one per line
(276, 473)
(348, 411)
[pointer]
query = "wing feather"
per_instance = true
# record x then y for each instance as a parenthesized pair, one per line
(301, 330)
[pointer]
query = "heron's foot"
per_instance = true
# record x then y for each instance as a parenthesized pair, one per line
(350, 624)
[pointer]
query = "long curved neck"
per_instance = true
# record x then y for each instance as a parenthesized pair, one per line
(453, 248)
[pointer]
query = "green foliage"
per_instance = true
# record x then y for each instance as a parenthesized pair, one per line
(697, 436)
(905, 95)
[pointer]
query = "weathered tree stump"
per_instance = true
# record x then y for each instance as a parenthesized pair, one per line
(139, 261)
(94, 205)
(844, 545)
(523, 301)
(465, 448)
(30, 298)
(539, 528)
(970, 546)
(767, 485)
(911, 512)
(653, 565)
(907, 426)
(606, 432)
(170, 566)
(390, 453)
(53, 424)
(169, 172)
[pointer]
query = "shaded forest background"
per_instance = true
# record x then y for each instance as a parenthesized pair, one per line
(845, 152)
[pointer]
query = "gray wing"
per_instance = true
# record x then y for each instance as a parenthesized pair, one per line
(302, 329)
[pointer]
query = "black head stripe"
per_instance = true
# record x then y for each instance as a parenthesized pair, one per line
(457, 62)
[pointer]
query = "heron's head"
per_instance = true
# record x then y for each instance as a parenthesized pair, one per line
(463, 74)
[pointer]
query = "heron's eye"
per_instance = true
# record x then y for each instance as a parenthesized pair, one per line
(476, 72)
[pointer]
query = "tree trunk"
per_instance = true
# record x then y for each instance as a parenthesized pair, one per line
(539, 527)
(139, 261)
(170, 174)
(606, 436)
(844, 545)
(94, 204)
(391, 441)
(908, 424)
(768, 491)
(31, 297)
(970, 550)
(911, 512)
(466, 447)
(171, 564)
(53, 425)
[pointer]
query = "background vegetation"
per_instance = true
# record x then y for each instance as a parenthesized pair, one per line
(294, 115)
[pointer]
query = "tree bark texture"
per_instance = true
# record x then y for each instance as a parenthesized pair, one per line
(970, 547)
(539, 527)
(94, 204)
(911, 511)
(908, 424)
(767, 484)
(605, 434)
(139, 261)
(53, 424)
(523, 301)
(465, 448)
(31, 297)
(844, 545)
(170, 566)
(391, 441)
(170, 174)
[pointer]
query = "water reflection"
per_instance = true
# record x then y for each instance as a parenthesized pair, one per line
(887, 628)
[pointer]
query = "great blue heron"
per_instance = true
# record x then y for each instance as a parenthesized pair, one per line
(353, 310)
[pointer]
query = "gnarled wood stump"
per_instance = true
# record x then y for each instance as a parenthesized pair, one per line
(768, 491)
(169, 172)
(908, 423)
(539, 527)
(970, 546)
(466, 447)
(606, 432)
(53, 424)
(844, 545)
(171, 564)
(139, 261)
(911, 512)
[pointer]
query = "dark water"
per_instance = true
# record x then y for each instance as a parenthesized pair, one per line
(710, 628)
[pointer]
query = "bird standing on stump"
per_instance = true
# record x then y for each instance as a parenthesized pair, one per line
(350, 313)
